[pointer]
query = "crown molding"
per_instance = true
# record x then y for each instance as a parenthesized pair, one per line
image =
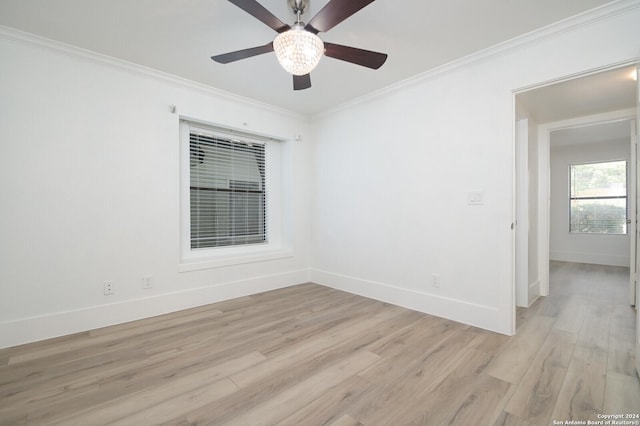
(567, 25)
(57, 47)
(556, 29)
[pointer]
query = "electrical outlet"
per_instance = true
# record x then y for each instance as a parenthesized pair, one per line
(436, 281)
(108, 288)
(147, 282)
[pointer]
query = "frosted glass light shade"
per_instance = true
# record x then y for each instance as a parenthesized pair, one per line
(298, 50)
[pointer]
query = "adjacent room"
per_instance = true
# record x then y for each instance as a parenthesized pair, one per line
(401, 233)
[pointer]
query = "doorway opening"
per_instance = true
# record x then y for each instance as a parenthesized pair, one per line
(580, 119)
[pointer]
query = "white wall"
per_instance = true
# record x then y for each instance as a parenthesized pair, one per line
(534, 261)
(89, 183)
(393, 173)
(582, 248)
(526, 163)
(89, 190)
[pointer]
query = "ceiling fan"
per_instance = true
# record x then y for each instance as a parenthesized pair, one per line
(298, 47)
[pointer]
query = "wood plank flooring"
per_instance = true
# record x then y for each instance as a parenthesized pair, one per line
(310, 355)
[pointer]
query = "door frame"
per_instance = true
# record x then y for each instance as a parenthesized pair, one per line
(522, 210)
(544, 190)
(636, 237)
(632, 220)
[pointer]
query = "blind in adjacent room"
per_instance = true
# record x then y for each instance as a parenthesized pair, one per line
(598, 198)
(227, 191)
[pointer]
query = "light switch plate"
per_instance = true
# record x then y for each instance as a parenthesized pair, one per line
(475, 198)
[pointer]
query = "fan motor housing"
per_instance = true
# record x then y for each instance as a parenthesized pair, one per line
(298, 5)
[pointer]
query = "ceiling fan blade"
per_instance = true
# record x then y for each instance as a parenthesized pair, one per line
(225, 58)
(366, 58)
(255, 9)
(333, 13)
(301, 82)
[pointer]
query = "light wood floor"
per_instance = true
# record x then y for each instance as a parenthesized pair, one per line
(310, 355)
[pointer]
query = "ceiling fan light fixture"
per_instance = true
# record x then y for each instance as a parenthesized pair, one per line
(298, 50)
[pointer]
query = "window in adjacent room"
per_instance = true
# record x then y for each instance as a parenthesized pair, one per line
(598, 198)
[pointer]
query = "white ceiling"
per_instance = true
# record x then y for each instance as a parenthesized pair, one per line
(610, 90)
(607, 132)
(180, 36)
(603, 92)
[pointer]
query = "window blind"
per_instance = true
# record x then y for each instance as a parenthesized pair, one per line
(598, 198)
(227, 191)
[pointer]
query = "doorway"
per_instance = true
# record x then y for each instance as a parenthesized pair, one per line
(542, 113)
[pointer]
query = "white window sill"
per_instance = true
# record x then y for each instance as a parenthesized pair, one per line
(217, 261)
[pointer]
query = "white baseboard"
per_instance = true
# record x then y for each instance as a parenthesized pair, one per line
(57, 324)
(486, 317)
(534, 292)
(592, 258)
(32, 329)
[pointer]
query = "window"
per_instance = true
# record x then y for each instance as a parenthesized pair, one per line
(598, 198)
(227, 191)
(235, 198)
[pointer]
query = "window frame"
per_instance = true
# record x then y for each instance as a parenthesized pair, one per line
(277, 233)
(625, 197)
